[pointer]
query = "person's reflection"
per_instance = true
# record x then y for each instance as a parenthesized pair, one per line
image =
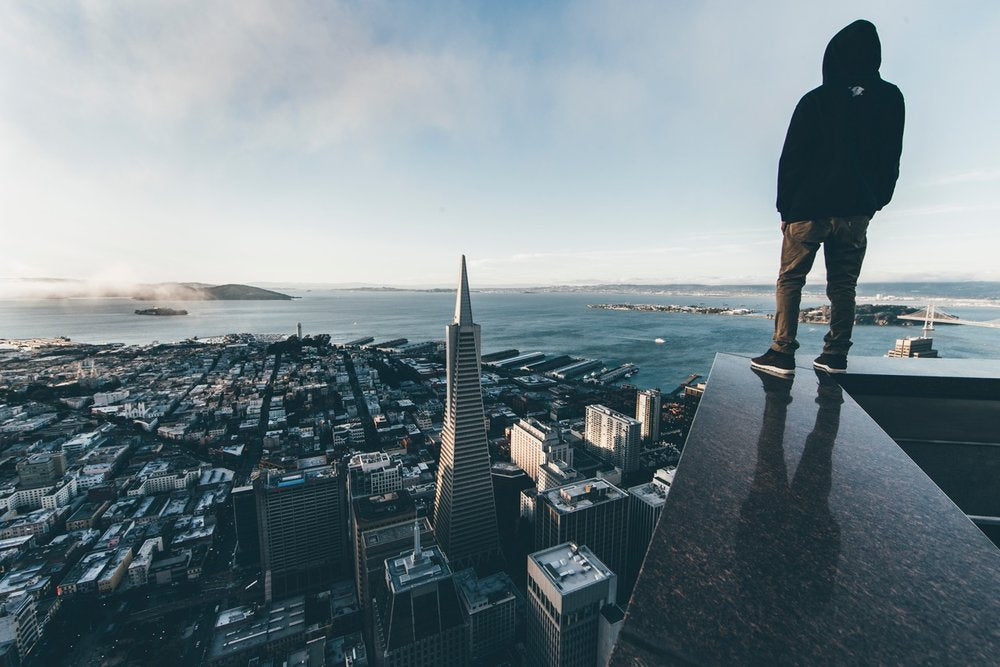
(788, 542)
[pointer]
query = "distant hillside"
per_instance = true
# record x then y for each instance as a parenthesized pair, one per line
(201, 292)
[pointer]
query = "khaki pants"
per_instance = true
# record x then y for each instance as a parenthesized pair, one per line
(844, 242)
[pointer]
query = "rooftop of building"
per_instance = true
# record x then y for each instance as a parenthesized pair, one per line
(581, 495)
(856, 502)
(384, 506)
(652, 493)
(539, 428)
(478, 593)
(505, 469)
(279, 480)
(394, 532)
(244, 629)
(570, 567)
(605, 410)
(414, 569)
(368, 461)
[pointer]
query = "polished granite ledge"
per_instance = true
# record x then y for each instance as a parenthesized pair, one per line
(930, 378)
(798, 532)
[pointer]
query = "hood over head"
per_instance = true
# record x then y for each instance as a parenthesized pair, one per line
(853, 55)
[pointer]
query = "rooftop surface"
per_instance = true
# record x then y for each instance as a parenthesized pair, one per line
(605, 410)
(580, 495)
(797, 531)
(282, 480)
(479, 593)
(651, 493)
(569, 567)
(411, 569)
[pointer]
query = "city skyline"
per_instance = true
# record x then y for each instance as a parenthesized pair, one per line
(342, 143)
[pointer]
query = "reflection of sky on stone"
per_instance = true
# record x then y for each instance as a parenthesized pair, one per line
(377, 142)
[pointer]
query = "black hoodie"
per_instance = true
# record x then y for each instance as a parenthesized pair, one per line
(841, 153)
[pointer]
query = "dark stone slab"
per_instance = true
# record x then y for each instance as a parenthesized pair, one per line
(798, 532)
(931, 378)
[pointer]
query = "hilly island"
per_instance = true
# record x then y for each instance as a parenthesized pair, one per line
(68, 288)
(202, 292)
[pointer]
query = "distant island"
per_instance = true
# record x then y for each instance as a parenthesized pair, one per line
(880, 315)
(658, 308)
(870, 314)
(160, 311)
(200, 292)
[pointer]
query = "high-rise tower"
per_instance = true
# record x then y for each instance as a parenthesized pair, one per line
(464, 512)
(647, 411)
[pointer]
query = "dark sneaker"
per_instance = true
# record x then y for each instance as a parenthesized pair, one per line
(775, 363)
(831, 363)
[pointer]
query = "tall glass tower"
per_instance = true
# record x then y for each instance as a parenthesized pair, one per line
(465, 520)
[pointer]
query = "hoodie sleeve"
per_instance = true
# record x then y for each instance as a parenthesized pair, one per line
(892, 149)
(795, 155)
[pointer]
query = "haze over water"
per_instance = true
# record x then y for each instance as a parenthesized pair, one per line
(549, 322)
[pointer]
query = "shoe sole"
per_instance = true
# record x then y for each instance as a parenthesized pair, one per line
(774, 370)
(828, 369)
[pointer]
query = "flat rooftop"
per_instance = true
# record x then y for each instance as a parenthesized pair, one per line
(569, 567)
(651, 493)
(605, 410)
(581, 495)
(407, 571)
(282, 480)
(393, 533)
(480, 593)
(369, 461)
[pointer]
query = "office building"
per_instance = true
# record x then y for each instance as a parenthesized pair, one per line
(418, 618)
(489, 605)
(373, 473)
(18, 623)
(245, 520)
(914, 347)
(43, 469)
(645, 506)
(593, 512)
(568, 588)
(369, 515)
(301, 527)
(532, 443)
(647, 413)
(613, 437)
(465, 521)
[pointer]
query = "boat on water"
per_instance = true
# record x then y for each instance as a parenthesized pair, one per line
(659, 341)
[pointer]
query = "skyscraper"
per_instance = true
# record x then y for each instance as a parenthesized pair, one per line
(593, 512)
(465, 520)
(612, 436)
(418, 618)
(645, 506)
(302, 530)
(647, 413)
(489, 604)
(245, 518)
(532, 443)
(371, 513)
(570, 592)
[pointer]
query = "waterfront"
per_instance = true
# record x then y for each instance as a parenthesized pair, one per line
(549, 322)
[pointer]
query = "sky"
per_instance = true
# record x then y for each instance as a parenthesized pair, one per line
(552, 143)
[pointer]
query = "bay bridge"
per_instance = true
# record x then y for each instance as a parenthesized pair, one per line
(932, 315)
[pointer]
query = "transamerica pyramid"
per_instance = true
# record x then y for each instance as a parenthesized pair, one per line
(465, 519)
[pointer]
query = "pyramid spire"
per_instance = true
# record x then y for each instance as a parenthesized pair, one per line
(463, 303)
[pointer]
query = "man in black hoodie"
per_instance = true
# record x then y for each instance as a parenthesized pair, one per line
(839, 166)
